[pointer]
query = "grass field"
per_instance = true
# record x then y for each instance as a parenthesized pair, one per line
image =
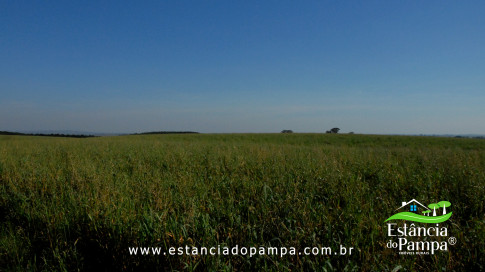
(78, 204)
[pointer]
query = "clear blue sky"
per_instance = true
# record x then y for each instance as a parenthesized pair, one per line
(243, 66)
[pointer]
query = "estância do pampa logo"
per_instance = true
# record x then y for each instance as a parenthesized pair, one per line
(417, 239)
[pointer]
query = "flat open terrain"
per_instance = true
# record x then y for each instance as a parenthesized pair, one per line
(78, 204)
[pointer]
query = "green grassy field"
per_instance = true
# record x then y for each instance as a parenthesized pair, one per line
(78, 204)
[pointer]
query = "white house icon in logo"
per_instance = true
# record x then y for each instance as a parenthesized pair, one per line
(412, 205)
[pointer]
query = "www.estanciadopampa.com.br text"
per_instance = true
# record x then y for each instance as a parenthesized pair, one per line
(236, 250)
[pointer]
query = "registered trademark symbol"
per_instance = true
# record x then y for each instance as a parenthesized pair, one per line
(452, 240)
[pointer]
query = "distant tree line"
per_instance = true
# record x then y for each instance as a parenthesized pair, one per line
(47, 135)
(167, 132)
(10, 133)
(333, 130)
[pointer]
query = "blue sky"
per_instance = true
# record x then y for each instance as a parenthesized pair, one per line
(388, 67)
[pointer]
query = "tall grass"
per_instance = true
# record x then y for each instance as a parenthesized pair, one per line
(78, 204)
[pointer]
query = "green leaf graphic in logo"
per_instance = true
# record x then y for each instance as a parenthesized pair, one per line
(419, 218)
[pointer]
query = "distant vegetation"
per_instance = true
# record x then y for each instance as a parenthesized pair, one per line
(333, 130)
(78, 204)
(46, 135)
(167, 132)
